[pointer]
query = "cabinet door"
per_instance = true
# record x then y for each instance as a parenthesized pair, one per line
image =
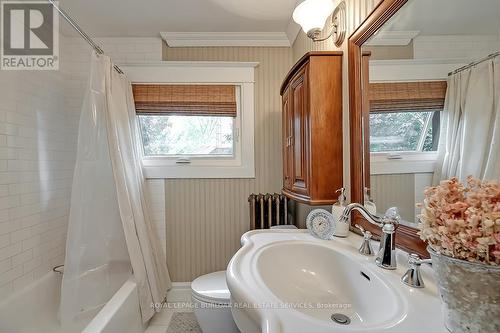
(287, 130)
(300, 134)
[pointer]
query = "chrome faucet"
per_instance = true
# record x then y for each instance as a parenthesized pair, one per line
(386, 256)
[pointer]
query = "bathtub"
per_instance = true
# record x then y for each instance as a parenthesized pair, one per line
(35, 308)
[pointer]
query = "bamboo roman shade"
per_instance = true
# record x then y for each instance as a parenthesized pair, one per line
(190, 100)
(407, 96)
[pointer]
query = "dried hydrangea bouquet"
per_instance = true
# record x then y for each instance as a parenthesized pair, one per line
(461, 224)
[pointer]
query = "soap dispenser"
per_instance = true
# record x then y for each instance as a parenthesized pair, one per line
(341, 228)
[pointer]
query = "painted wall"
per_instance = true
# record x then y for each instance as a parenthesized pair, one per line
(206, 217)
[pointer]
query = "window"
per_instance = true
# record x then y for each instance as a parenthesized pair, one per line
(404, 121)
(404, 131)
(187, 136)
(405, 116)
(195, 119)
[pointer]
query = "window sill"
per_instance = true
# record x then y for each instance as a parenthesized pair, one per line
(409, 163)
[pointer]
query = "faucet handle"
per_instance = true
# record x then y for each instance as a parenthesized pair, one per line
(392, 216)
(414, 259)
(360, 228)
(413, 277)
(363, 231)
(366, 247)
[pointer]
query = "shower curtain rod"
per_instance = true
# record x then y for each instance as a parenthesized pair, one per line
(82, 33)
(458, 70)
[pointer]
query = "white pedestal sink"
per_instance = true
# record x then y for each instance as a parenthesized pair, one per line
(288, 281)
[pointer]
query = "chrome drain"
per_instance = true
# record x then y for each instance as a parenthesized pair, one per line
(341, 319)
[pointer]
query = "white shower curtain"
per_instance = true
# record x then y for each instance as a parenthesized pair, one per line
(470, 124)
(110, 233)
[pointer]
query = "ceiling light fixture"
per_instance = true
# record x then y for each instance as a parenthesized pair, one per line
(311, 15)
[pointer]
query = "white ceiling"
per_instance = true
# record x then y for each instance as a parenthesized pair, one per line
(147, 18)
(448, 17)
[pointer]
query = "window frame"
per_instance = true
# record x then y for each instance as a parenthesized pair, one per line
(410, 162)
(240, 74)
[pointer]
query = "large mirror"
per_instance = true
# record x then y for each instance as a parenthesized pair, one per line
(419, 112)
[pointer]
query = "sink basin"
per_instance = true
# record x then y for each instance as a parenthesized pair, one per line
(319, 281)
(287, 281)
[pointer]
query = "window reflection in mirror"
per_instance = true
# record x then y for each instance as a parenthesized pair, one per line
(404, 131)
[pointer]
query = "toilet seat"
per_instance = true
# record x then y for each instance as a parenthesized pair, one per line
(211, 288)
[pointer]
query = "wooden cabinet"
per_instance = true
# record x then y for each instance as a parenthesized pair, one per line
(312, 129)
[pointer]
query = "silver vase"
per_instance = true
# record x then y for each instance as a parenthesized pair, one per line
(470, 294)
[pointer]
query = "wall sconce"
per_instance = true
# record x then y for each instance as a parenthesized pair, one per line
(311, 15)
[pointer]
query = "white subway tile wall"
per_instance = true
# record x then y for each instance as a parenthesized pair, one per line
(39, 113)
(37, 151)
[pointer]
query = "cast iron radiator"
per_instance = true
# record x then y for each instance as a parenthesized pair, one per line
(267, 210)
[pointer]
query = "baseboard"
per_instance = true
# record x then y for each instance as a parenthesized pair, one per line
(179, 293)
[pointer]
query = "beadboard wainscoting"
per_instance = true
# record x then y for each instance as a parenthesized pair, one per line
(402, 190)
(205, 218)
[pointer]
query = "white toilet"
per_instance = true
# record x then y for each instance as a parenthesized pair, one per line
(211, 298)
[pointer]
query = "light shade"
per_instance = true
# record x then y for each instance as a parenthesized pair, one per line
(312, 14)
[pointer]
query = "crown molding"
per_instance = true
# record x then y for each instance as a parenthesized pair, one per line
(197, 39)
(393, 38)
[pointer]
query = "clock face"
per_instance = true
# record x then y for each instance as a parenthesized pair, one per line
(321, 224)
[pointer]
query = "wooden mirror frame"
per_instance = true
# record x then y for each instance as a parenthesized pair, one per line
(406, 237)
